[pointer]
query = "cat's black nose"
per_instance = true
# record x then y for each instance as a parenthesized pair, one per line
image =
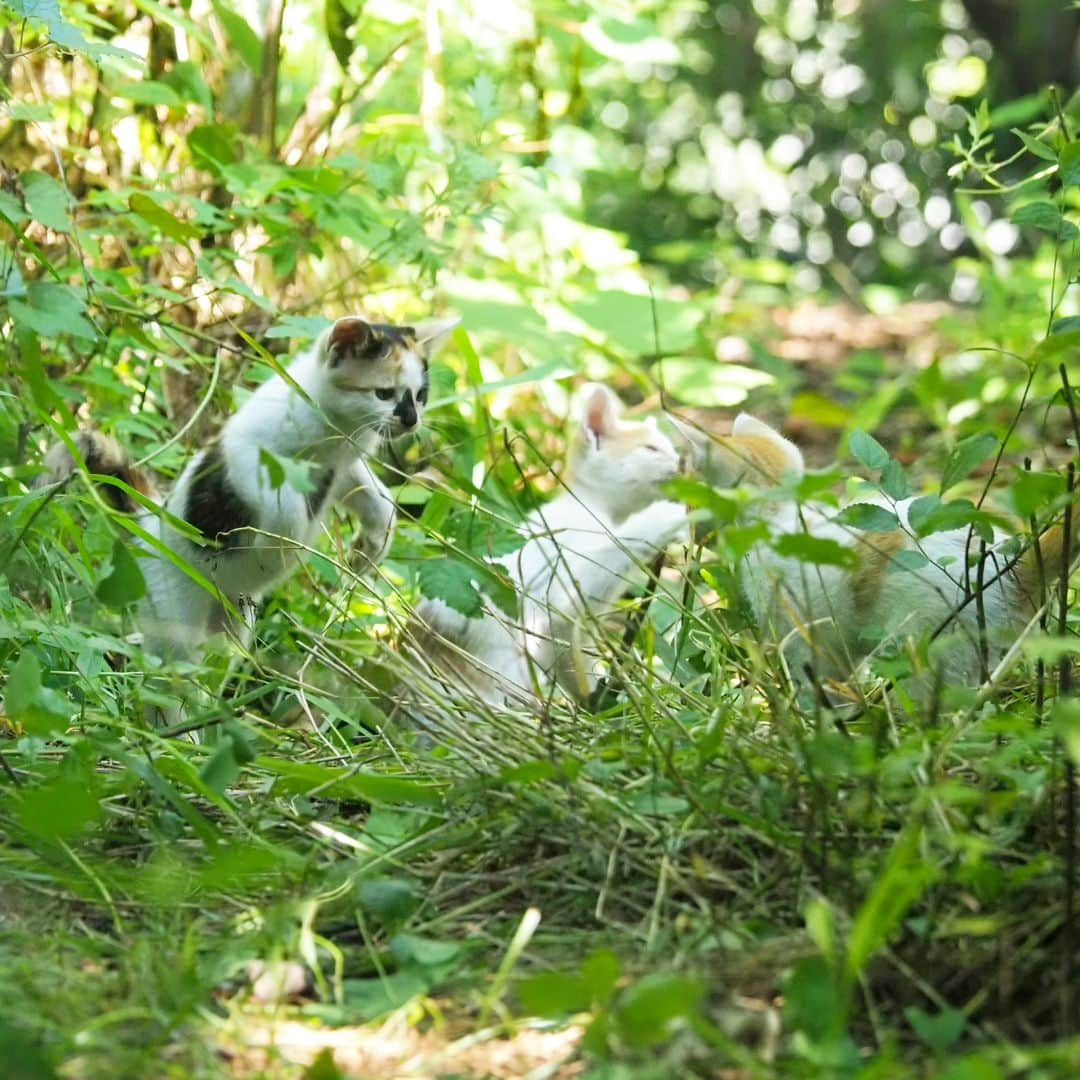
(406, 411)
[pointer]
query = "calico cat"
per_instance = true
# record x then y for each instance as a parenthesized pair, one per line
(581, 549)
(830, 618)
(359, 382)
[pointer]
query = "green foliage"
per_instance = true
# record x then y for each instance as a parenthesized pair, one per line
(637, 193)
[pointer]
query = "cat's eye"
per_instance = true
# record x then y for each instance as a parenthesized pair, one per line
(385, 393)
(655, 449)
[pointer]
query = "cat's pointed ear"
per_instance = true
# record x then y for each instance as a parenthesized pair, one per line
(789, 456)
(349, 336)
(432, 334)
(599, 413)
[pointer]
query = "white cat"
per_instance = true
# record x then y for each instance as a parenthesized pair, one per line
(582, 550)
(358, 383)
(829, 618)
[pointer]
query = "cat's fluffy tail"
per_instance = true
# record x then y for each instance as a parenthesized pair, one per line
(103, 456)
(1039, 569)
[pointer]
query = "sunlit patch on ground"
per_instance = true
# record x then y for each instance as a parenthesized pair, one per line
(393, 1049)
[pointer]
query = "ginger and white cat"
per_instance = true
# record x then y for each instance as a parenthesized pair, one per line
(829, 618)
(581, 551)
(340, 399)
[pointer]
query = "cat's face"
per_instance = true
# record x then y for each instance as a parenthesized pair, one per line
(378, 373)
(623, 463)
(753, 453)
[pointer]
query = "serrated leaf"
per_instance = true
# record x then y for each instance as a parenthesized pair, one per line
(868, 517)
(868, 451)
(904, 562)
(894, 480)
(968, 454)
(944, 517)
(125, 582)
(451, 581)
(47, 200)
(483, 94)
(1046, 217)
(818, 550)
(156, 215)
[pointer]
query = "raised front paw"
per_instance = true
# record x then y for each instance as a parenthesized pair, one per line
(668, 523)
(377, 524)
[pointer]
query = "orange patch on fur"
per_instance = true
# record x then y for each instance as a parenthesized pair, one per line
(759, 458)
(876, 552)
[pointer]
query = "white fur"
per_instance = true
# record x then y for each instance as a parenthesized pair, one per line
(581, 551)
(321, 420)
(812, 609)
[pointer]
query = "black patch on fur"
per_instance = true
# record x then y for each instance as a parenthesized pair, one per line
(314, 499)
(213, 505)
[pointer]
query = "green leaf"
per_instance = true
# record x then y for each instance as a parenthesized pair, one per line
(813, 1002)
(818, 550)
(1046, 217)
(894, 480)
(41, 710)
(338, 18)
(707, 383)
(148, 92)
(165, 222)
(22, 686)
(907, 561)
(627, 319)
(1069, 163)
(275, 472)
(213, 147)
(867, 450)
(51, 309)
(601, 972)
(61, 809)
(323, 1067)
(125, 582)
(927, 518)
(938, 1032)
(47, 201)
(303, 777)
(451, 581)
(242, 37)
(868, 517)
(645, 1011)
(904, 878)
(967, 455)
(1036, 146)
(390, 900)
(483, 94)
(554, 993)
(221, 768)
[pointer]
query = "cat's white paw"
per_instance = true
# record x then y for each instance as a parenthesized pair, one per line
(377, 524)
(670, 522)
